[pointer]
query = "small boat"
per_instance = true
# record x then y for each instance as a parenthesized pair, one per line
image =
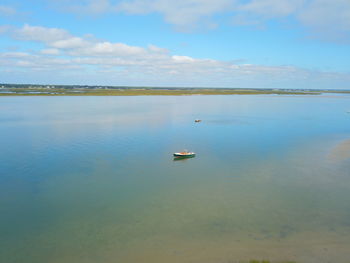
(197, 120)
(184, 154)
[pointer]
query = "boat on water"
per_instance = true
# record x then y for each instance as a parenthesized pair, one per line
(184, 154)
(197, 120)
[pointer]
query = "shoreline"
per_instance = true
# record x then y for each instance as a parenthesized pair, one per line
(143, 92)
(340, 152)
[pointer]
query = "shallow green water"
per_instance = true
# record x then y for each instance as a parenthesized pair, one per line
(92, 179)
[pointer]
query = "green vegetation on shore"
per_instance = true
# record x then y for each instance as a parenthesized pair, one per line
(267, 261)
(67, 90)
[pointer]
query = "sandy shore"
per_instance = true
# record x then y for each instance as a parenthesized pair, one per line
(340, 152)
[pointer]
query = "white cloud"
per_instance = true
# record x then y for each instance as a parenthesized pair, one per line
(183, 59)
(257, 12)
(89, 7)
(40, 34)
(271, 8)
(108, 48)
(64, 53)
(156, 49)
(50, 51)
(69, 43)
(328, 19)
(56, 39)
(181, 13)
(32, 62)
(97, 6)
(15, 55)
(327, 13)
(7, 10)
(185, 13)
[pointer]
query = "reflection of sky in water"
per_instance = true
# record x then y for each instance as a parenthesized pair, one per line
(92, 179)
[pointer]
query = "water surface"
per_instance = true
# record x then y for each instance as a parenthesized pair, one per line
(92, 179)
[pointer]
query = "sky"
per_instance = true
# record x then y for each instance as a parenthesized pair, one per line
(287, 44)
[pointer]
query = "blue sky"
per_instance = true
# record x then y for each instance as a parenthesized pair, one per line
(186, 43)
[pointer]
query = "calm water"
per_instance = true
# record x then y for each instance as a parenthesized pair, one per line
(92, 179)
